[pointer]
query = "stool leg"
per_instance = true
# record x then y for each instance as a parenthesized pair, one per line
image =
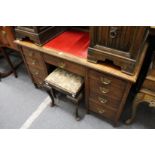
(77, 112)
(51, 96)
(54, 93)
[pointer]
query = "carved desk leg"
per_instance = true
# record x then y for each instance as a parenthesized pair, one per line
(150, 100)
(138, 99)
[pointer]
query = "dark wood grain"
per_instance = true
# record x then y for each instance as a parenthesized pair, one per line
(121, 44)
(38, 34)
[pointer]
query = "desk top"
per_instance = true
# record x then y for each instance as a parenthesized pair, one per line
(72, 42)
(105, 68)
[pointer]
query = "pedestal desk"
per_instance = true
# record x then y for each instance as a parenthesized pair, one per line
(106, 87)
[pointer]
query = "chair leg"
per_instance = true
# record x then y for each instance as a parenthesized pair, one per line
(77, 117)
(54, 93)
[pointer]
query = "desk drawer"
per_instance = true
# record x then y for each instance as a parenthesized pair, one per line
(35, 63)
(38, 73)
(67, 65)
(106, 79)
(112, 90)
(105, 100)
(106, 85)
(102, 110)
(29, 53)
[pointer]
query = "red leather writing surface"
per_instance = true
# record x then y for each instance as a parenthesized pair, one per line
(73, 42)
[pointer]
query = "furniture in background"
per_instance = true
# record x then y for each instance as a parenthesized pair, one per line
(123, 45)
(42, 34)
(7, 41)
(147, 92)
(106, 86)
(7, 37)
(67, 83)
(38, 34)
(7, 58)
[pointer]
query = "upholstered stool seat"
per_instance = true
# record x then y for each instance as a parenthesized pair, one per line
(67, 83)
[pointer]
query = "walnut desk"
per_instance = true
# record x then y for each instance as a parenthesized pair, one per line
(106, 87)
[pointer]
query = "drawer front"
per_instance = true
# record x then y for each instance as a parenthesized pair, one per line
(106, 79)
(102, 110)
(111, 90)
(104, 100)
(106, 85)
(29, 53)
(35, 63)
(148, 84)
(37, 73)
(72, 67)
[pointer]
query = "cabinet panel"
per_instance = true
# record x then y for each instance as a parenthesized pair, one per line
(122, 45)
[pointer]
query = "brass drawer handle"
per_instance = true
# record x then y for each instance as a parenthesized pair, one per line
(102, 100)
(104, 90)
(101, 111)
(62, 65)
(105, 81)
